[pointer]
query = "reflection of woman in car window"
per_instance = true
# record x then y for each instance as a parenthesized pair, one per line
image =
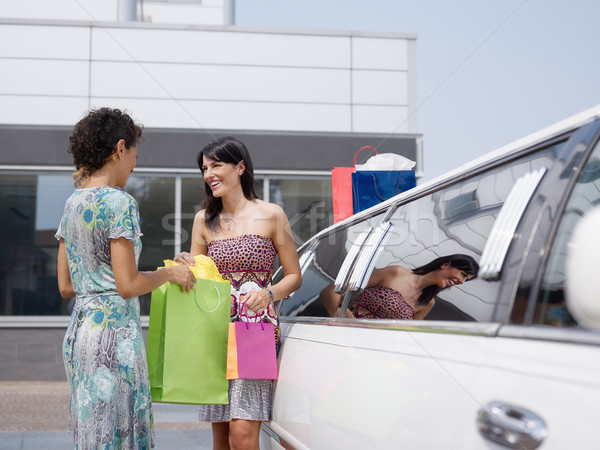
(395, 292)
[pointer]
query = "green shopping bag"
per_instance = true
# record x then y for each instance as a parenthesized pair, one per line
(187, 343)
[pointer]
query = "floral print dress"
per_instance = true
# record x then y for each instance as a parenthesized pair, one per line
(103, 349)
(246, 262)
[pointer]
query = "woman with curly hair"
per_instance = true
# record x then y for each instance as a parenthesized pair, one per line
(99, 236)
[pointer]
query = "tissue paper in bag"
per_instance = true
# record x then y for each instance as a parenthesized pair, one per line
(380, 178)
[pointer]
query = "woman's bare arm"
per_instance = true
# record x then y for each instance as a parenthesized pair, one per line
(65, 285)
(131, 283)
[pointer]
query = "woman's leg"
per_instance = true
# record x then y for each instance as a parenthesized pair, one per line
(244, 434)
(220, 432)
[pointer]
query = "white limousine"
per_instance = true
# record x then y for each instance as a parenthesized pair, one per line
(502, 361)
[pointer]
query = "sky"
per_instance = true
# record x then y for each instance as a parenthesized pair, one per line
(489, 72)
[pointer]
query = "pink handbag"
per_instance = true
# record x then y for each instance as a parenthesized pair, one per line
(251, 350)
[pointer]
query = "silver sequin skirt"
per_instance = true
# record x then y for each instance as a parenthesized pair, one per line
(248, 399)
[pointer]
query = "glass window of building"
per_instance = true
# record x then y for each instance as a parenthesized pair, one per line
(31, 207)
(307, 203)
(31, 204)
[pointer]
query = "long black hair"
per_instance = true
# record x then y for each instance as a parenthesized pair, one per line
(228, 150)
(458, 261)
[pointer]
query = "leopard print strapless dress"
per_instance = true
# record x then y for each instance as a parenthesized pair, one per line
(247, 263)
(380, 302)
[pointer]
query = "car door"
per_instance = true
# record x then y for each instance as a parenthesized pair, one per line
(539, 384)
(439, 361)
(349, 383)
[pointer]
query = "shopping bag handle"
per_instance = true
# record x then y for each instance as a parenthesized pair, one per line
(366, 146)
(198, 304)
(378, 194)
(244, 311)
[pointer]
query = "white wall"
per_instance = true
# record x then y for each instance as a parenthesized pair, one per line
(90, 10)
(206, 12)
(216, 78)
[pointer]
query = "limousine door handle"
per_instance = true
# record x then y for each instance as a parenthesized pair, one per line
(511, 426)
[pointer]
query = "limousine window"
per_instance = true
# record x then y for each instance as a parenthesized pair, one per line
(551, 308)
(322, 260)
(457, 218)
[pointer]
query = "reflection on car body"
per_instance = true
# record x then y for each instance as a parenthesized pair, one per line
(498, 362)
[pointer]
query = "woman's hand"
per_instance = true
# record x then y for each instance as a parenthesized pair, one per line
(258, 301)
(183, 276)
(185, 258)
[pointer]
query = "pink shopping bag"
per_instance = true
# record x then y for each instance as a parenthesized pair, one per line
(251, 351)
(341, 189)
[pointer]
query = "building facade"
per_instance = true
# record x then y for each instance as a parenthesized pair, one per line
(303, 102)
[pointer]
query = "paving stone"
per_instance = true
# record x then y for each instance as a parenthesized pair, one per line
(33, 406)
(34, 416)
(60, 440)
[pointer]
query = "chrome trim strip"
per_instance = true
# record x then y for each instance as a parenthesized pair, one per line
(544, 333)
(366, 261)
(306, 259)
(265, 428)
(346, 269)
(532, 332)
(430, 326)
(506, 224)
(274, 430)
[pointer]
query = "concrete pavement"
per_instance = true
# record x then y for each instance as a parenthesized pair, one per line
(34, 416)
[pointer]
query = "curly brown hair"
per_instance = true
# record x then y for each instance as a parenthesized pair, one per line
(95, 137)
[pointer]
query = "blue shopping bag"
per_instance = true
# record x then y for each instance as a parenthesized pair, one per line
(370, 187)
(341, 188)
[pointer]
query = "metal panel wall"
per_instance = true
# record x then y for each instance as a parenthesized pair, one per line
(208, 78)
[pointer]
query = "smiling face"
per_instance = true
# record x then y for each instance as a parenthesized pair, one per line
(451, 276)
(221, 177)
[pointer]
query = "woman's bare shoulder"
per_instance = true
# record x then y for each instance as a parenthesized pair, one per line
(268, 207)
(201, 229)
(267, 210)
(200, 220)
(268, 219)
(396, 271)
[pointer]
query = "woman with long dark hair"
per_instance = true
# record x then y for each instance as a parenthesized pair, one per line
(395, 292)
(243, 235)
